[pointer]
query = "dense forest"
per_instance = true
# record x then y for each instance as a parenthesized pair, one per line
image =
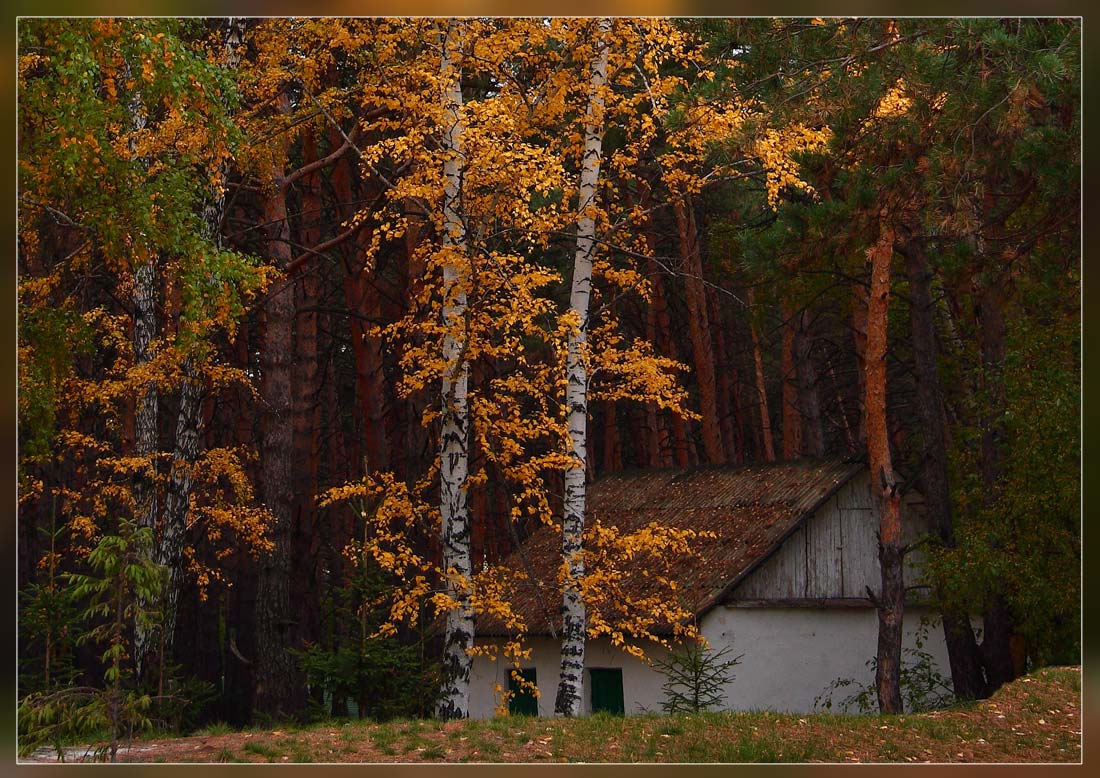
(319, 318)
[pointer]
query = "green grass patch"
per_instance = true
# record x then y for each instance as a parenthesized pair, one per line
(263, 749)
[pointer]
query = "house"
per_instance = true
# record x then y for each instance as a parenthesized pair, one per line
(784, 578)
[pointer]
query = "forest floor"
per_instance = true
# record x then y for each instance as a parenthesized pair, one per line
(1034, 719)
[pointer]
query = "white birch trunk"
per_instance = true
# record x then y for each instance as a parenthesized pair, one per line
(571, 682)
(169, 548)
(453, 444)
(146, 410)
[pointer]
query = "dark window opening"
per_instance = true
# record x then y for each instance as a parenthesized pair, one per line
(607, 690)
(523, 701)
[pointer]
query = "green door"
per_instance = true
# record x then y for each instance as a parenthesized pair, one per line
(607, 690)
(522, 702)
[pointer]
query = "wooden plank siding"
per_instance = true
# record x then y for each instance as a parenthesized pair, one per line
(833, 556)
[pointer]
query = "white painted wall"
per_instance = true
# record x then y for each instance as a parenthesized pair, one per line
(790, 656)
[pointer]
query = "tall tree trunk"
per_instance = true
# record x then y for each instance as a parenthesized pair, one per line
(146, 409)
(962, 648)
(842, 411)
(574, 627)
(726, 378)
(859, 346)
(170, 545)
(145, 435)
(761, 390)
(612, 442)
(808, 397)
(454, 435)
(792, 415)
(364, 310)
(997, 621)
(305, 408)
(279, 690)
(884, 487)
(702, 349)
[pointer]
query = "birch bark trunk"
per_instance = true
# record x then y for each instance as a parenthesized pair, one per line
(169, 549)
(574, 627)
(144, 299)
(454, 435)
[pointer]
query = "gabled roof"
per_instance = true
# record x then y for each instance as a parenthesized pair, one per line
(750, 509)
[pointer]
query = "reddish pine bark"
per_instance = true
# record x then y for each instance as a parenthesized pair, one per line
(279, 690)
(726, 377)
(761, 392)
(671, 427)
(890, 599)
(363, 308)
(612, 444)
(699, 330)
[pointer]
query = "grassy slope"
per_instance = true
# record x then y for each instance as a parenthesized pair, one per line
(1035, 719)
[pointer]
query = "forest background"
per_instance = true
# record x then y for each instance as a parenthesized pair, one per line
(701, 442)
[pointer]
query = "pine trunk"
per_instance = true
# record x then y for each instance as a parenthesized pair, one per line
(813, 440)
(761, 391)
(279, 690)
(997, 621)
(890, 600)
(574, 627)
(962, 647)
(792, 415)
(726, 379)
(702, 350)
(454, 435)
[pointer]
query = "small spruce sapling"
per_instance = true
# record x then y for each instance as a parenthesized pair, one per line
(695, 677)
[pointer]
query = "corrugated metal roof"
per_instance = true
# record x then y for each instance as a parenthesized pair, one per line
(750, 509)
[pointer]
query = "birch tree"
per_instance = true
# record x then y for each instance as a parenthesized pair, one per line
(571, 683)
(454, 437)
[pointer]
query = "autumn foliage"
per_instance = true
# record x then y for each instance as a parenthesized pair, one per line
(317, 301)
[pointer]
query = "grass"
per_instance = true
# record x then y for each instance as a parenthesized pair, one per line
(263, 749)
(1034, 719)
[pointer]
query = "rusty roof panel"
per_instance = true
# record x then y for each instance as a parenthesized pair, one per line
(750, 509)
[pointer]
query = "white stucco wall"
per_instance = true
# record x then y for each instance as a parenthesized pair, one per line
(790, 656)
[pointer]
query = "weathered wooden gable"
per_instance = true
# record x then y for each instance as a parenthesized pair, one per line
(833, 555)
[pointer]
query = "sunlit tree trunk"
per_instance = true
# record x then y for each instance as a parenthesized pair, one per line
(574, 626)
(454, 436)
(884, 486)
